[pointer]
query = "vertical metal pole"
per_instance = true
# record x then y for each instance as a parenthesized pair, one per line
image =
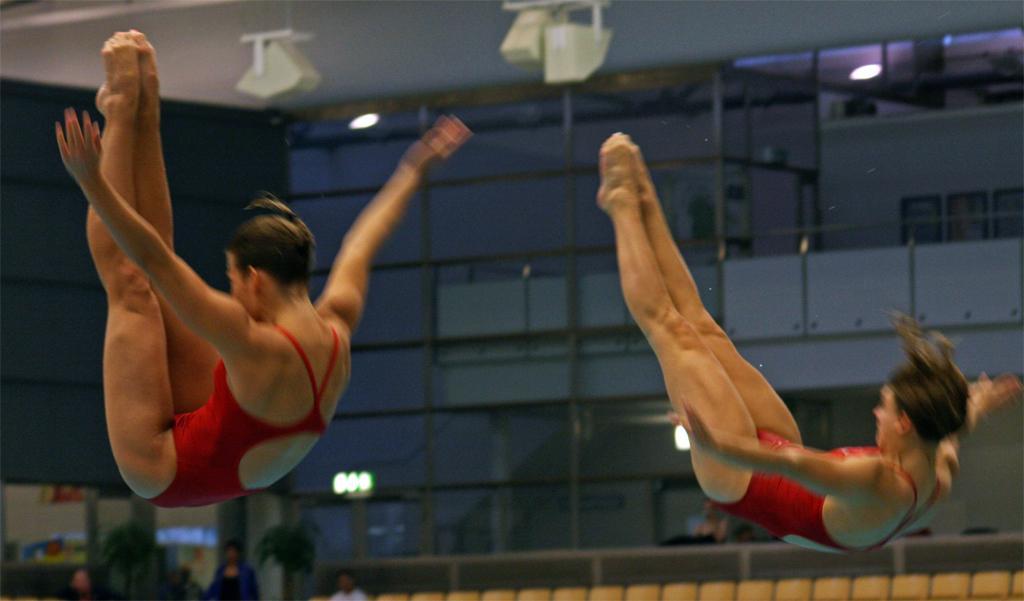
(912, 272)
(816, 207)
(748, 180)
(427, 300)
(884, 81)
(573, 340)
(145, 587)
(3, 524)
(801, 220)
(360, 528)
(92, 527)
(717, 141)
(500, 511)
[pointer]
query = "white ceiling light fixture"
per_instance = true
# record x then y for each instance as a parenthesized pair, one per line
(543, 35)
(523, 45)
(866, 72)
(364, 121)
(279, 69)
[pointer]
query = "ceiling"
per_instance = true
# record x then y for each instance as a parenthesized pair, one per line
(377, 49)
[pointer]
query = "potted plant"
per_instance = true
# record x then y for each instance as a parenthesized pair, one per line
(129, 549)
(291, 546)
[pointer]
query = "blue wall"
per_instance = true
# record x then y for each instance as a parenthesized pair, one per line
(53, 307)
(502, 432)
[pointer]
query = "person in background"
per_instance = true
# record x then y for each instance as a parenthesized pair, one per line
(744, 533)
(235, 579)
(81, 589)
(347, 590)
(712, 525)
(180, 586)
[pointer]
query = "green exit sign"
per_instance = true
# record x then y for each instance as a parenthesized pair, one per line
(353, 483)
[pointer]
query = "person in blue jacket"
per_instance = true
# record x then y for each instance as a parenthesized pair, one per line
(235, 579)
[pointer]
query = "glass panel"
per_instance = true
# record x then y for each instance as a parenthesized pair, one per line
(680, 509)
(518, 444)
(967, 216)
(391, 448)
(501, 297)
(332, 525)
(529, 370)
(783, 131)
(791, 65)
(384, 379)
(593, 227)
(187, 535)
(327, 155)
(491, 218)
(687, 200)
(855, 66)
(901, 68)
(675, 123)
(599, 293)
(330, 217)
(393, 528)
(776, 205)
(617, 514)
(1007, 209)
(508, 138)
(539, 518)
(467, 521)
(974, 53)
(394, 308)
(523, 518)
(625, 439)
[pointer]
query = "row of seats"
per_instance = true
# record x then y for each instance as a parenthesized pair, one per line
(950, 586)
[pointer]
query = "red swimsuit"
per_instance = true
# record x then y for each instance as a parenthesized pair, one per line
(785, 508)
(212, 440)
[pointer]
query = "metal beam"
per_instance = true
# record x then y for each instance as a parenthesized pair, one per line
(82, 13)
(503, 94)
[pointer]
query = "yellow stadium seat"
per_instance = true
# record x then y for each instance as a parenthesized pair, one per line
(754, 590)
(393, 597)
(870, 588)
(570, 593)
(534, 594)
(950, 586)
(1017, 587)
(606, 593)
(679, 591)
(499, 594)
(643, 592)
(990, 585)
(720, 590)
(463, 596)
(793, 589)
(909, 587)
(831, 589)
(430, 596)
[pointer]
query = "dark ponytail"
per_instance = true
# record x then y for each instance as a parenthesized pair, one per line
(277, 242)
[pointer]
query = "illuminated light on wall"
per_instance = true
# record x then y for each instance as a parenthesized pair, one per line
(866, 72)
(353, 483)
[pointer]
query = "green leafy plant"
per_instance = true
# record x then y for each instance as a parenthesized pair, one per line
(129, 549)
(292, 548)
